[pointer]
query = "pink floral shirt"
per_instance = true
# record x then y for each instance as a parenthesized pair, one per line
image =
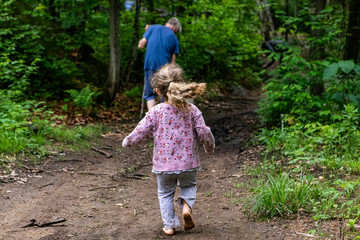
(176, 134)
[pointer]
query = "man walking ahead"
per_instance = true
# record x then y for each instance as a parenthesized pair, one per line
(162, 46)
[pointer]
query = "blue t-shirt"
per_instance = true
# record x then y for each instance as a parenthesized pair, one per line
(162, 43)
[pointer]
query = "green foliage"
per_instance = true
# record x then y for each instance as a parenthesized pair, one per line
(26, 128)
(335, 146)
(39, 46)
(326, 150)
(324, 30)
(319, 135)
(134, 93)
(343, 80)
(288, 92)
(220, 42)
(85, 98)
(48, 46)
(98, 29)
(19, 53)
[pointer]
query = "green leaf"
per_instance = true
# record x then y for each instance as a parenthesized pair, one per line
(357, 69)
(336, 117)
(353, 99)
(346, 66)
(330, 71)
(337, 96)
(325, 113)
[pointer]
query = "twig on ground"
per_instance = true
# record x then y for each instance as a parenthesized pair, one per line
(145, 165)
(45, 185)
(34, 224)
(71, 160)
(108, 155)
(94, 173)
(138, 176)
(103, 187)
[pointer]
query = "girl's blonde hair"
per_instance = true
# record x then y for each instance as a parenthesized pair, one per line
(169, 81)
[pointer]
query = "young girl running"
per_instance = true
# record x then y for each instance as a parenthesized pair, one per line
(177, 126)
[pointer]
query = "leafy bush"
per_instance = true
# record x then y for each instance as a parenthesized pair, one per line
(343, 79)
(336, 145)
(83, 99)
(323, 31)
(288, 91)
(19, 52)
(15, 132)
(330, 150)
(134, 93)
(26, 128)
(220, 42)
(37, 55)
(336, 201)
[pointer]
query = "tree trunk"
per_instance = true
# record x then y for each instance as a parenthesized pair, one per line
(352, 47)
(113, 79)
(134, 42)
(268, 29)
(270, 19)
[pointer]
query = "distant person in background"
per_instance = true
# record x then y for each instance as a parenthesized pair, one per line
(276, 46)
(162, 46)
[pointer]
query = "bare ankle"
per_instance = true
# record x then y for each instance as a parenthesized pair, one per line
(169, 231)
(186, 207)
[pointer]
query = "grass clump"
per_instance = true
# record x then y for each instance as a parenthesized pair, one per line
(280, 195)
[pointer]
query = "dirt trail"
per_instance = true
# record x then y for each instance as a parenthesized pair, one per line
(116, 197)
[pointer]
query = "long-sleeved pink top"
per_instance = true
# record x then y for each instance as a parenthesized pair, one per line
(176, 134)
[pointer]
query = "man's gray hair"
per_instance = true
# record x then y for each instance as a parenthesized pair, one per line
(176, 23)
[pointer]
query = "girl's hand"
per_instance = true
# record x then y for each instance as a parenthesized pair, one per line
(209, 148)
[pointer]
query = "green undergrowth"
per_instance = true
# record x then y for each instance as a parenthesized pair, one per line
(27, 131)
(309, 169)
(310, 163)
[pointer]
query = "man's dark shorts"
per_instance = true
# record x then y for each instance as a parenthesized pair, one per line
(149, 92)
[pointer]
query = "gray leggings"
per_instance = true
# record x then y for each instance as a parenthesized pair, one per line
(166, 191)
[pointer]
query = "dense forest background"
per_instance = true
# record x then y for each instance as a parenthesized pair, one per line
(65, 60)
(51, 47)
(54, 46)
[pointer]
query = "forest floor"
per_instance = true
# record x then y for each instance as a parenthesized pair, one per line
(94, 196)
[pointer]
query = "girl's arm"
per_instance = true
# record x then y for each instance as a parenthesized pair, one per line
(204, 133)
(143, 129)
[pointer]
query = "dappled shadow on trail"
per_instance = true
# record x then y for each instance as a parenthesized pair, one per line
(115, 197)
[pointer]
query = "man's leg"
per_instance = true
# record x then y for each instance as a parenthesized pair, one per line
(149, 94)
(150, 103)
